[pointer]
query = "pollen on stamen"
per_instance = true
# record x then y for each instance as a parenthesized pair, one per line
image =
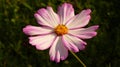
(61, 30)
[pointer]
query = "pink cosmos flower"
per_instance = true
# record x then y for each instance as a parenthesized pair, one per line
(60, 31)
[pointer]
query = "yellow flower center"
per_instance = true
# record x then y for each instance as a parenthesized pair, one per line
(61, 30)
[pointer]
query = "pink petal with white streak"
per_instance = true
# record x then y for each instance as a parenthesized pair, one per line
(85, 33)
(35, 30)
(73, 43)
(47, 17)
(80, 20)
(66, 12)
(42, 42)
(58, 51)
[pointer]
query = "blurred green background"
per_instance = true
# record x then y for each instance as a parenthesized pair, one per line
(101, 51)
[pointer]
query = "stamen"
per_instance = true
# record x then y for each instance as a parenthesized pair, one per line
(61, 30)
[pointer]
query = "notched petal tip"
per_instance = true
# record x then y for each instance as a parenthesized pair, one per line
(36, 15)
(42, 10)
(31, 41)
(93, 34)
(83, 47)
(57, 60)
(96, 26)
(84, 43)
(88, 11)
(62, 58)
(87, 19)
(66, 4)
(38, 47)
(54, 59)
(26, 29)
(51, 57)
(49, 8)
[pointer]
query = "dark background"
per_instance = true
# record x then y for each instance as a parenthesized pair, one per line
(101, 51)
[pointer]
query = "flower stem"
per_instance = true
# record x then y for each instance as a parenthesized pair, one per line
(78, 58)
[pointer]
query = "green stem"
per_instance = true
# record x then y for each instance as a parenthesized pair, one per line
(78, 58)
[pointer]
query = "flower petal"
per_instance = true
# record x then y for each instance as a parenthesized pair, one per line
(65, 11)
(85, 33)
(47, 17)
(73, 43)
(34, 30)
(42, 42)
(79, 20)
(58, 51)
